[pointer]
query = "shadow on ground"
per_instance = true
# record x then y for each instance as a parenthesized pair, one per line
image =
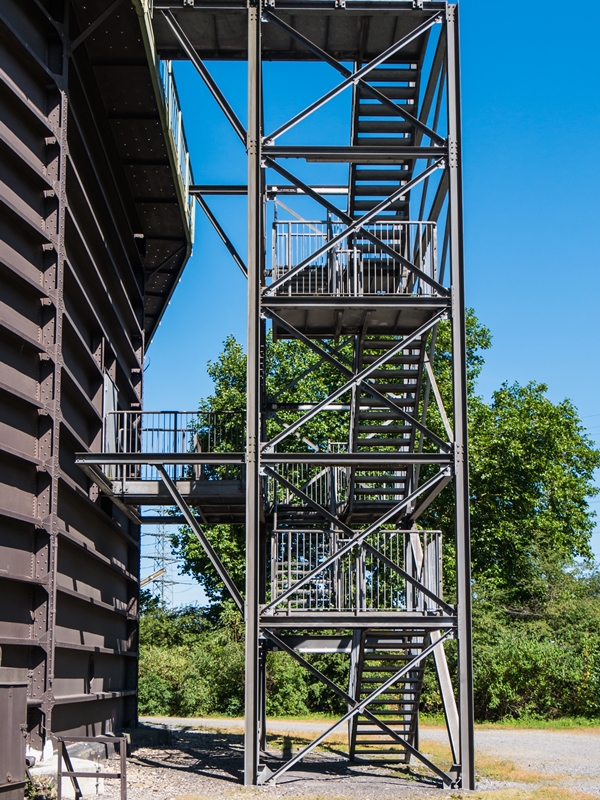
(204, 763)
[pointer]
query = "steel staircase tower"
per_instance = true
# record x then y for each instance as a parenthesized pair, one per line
(333, 534)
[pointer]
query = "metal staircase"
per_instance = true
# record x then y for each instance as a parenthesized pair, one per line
(377, 125)
(377, 428)
(379, 655)
(332, 541)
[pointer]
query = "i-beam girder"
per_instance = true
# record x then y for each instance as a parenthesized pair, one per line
(260, 458)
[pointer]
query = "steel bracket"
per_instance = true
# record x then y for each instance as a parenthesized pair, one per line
(452, 153)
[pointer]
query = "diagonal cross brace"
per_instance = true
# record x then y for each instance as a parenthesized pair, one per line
(359, 224)
(369, 547)
(352, 702)
(222, 235)
(366, 87)
(438, 398)
(360, 707)
(208, 548)
(360, 379)
(356, 540)
(355, 77)
(93, 25)
(192, 54)
(385, 248)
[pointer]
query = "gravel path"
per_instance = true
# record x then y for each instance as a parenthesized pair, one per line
(206, 761)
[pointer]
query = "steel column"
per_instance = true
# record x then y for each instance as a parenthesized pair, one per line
(51, 387)
(461, 461)
(253, 419)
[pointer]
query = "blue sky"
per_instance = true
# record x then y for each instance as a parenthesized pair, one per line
(531, 121)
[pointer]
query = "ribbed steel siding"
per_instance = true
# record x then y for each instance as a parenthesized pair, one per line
(71, 310)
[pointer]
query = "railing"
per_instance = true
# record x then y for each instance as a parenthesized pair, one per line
(175, 122)
(166, 432)
(355, 266)
(327, 486)
(359, 581)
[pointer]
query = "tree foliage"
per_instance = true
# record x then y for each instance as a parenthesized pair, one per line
(536, 609)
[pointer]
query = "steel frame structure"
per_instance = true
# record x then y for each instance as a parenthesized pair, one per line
(331, 289)
(263, 153)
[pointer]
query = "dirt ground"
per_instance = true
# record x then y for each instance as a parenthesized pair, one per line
(205, 761)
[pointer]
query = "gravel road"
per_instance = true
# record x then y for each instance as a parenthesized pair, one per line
(206, 761)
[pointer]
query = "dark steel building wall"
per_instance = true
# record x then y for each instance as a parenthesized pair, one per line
(72, 310)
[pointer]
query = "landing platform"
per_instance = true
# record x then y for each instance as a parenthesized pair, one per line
(352, 31)
(324, 317)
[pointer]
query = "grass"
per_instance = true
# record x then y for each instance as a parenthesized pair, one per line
(438, 721)
(538, 793)
(525, 723)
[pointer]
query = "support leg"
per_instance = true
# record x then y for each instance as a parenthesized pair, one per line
(461, 463)
(253, 427)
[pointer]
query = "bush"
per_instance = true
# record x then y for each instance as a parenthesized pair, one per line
(541, 660)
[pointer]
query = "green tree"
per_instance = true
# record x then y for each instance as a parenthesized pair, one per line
(531, 476)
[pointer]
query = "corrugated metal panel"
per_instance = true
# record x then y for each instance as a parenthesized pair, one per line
(72, 311)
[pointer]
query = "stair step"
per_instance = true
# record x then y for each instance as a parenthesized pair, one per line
(377, 109)
(379, 486)
(397, 125)
(398, 387)
(381, 416)
(397, 216)
(374, 404)
(368, 205)
(379, 743)
(402, 140)
(391, 75)
(369, 358)
(398, 691)
(386, 481)
(374, 190)
(393, 373)
(386, 344)
(375, 646)
(396, 174)
(378, 493)
(383, 428)
(369, 444)
(392, 92)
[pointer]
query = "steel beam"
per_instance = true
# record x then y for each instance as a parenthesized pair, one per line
(254, 395)
(220, 98)
(201, 536)
(461, 459)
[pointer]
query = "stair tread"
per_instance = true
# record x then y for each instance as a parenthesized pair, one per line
(393, 75)
(394, 174)
(396, 125)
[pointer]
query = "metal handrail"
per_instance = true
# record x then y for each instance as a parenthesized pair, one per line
(173, 432)
(178, 138)
(355, 266)
(359, 581)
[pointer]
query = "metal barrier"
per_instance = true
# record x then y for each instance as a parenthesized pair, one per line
(355, 266)
(168, 432)
(175, 121)
(63, 755)
(359, 581)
